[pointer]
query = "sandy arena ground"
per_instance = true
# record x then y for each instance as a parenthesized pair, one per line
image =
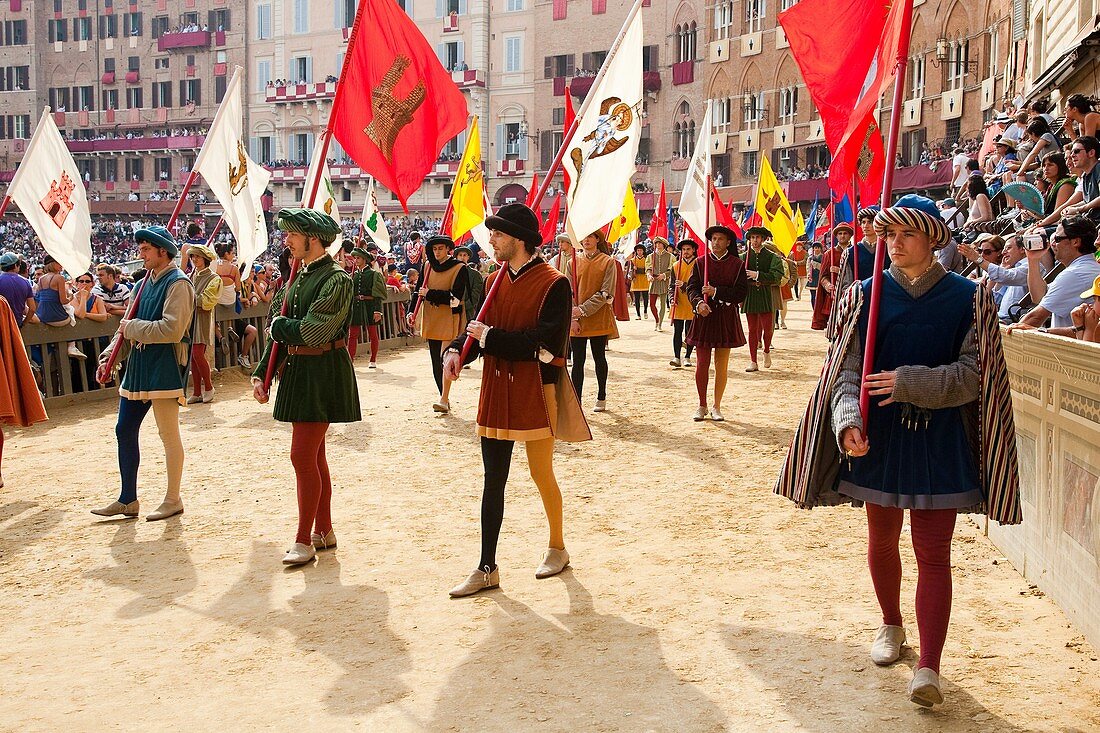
(697, 600)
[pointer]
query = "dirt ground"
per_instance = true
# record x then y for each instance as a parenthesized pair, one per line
(697, 600)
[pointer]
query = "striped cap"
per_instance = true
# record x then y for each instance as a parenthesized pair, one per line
(868, 212)
(919, 213)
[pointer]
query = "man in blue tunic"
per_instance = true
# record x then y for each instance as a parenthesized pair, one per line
(154, 344)
(939, 437)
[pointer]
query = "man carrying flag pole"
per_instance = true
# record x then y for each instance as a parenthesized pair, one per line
(924, 343)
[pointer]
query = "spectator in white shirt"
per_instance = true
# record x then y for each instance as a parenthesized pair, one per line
(1074, 245)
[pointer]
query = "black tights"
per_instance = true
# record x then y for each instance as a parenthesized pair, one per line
(435, 348)
(641, 300)
(678, 328)
(599, 359)
(496, 456)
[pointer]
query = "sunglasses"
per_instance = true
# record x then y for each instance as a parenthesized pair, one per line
(988, 251)
(84, 280)
(1075, 151)
(1062, 237)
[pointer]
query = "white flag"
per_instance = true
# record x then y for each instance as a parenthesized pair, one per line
(480, 232)
(325, 201)
(695, 198)
(601, 154)
(373, 223)
(236, 180)
(49, 190)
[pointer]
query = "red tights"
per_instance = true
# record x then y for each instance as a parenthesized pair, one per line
(932, 531)
(760, 324)
(200, 369)
(307, 455)
(356, 334)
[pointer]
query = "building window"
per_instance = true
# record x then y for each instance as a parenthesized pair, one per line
(444, 8)
(220, 84)
(515, 5)
(752, 107)
(723, 19)
(82, 29)
(686, 42)
(263, 74)
(558, 66)
(723, 114)
(301, 147)
(750, 167)
(163, 168)
(958, 56)
(683, 130)
(301, 69)
(15, 78)
(59, 98)
(190, 91)
(161, 63)
(785, 160)
(218, 20)
(263, 21)
(511, 142)
(159, 26)
(755, 10)
(108, 26)
(301, 16)
(162, 94)
(135, 169)
(513, 53)
(263, 149)
(452, 55)
(787, 4)
(131, 24)
(83, 98)
(557, 116)
(108, 66)
(599, 7)
(15, 32)
(994, 41)
(133, 63)
(953, 130)
(134, 98)
(110, 99)
(58, 31)
(345, 13)
(916, 77)
(788, 105)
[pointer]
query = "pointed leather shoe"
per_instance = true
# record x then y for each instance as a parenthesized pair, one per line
(886, 648)
(117, 507)
(327, 542)
(553, 562)
(924, 690)
(299, 554)
(165, 510)
(478, 581)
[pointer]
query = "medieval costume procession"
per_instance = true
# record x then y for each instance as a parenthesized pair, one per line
(793, 305)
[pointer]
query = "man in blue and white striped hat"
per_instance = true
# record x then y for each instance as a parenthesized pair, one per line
(939, 437)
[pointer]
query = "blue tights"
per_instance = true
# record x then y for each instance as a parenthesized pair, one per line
(130, 415)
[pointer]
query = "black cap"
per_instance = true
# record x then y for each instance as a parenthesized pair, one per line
(518, 221)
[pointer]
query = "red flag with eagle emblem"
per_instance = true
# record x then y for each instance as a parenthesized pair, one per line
(846, 51)
(401, 105)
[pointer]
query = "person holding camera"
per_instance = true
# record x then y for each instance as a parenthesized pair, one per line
(1009, 277)
(1074, 246)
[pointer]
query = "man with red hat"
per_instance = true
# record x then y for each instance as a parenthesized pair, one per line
(830, 272)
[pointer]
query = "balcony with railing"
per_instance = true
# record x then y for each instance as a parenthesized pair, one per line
(469, 78)
(297, 174)
(511, 167)
(301, 92)
(450, 23)
(579, 86)
(136, 144)
(190, 39)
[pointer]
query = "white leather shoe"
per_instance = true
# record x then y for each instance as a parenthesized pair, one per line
(752, 367)
(441, 406)
(700, 414)
(601, 406)
(327, 542)
(675, 363)
(767, 360)
(924, 690)
(299, 554)
(716, 415)
(553, 562)
(478, 581)
(886, 648)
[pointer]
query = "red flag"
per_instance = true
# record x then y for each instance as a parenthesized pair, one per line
(658, 225)
(531, 193)
(549, 228)
(722, 215)
(570, 115)
(846, 50)
(401, 107)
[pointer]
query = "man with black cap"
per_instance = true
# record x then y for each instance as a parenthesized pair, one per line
(443, 313)
(939, 437)
(716, 288)
(764, 269)
(526, 394)
(830, 272)
(368, 289)
(316, 379)
(857, 262)
(476, 290)
(154, 343)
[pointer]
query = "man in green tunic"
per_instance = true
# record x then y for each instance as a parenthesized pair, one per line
(368, 293)
(317, 382)
(764, 269)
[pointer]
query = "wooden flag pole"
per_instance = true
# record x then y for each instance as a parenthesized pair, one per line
(887, 194)
(855, 218)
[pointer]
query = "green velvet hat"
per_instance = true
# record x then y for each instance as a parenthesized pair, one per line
(310, 222)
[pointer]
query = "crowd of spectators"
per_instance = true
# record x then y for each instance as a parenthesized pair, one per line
(330, 79)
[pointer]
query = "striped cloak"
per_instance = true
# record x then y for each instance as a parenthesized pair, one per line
(811, 471)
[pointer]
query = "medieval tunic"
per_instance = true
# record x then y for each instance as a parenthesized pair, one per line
(207, 289)
(659, 263)
(682, 308)
(316, 378)
(20, 401)
(157, 338)
(595, 285)
(863, 265)
(828, 273)
(525, 390)
(368, 290)
(771, 269)
(722, 328)
(948, 441)
(446, 283)
(639, 281)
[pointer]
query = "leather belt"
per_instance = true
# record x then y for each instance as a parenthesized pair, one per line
(364, 297)
(318, 350)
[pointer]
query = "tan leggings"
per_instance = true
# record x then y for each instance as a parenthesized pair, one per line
(131, 413)
(167, 415)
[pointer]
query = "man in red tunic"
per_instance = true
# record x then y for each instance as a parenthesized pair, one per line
(526, 394)
(717, 286)
(830, 272)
